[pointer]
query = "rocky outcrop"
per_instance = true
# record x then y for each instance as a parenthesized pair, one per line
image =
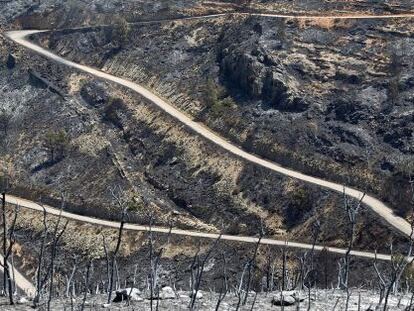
(94, 94)
(259, 79)
(281, 94)
(37, 80)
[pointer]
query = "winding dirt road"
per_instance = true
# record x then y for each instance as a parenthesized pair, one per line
(345, 16)
(20, 37)
(376, 205)
(132, 227)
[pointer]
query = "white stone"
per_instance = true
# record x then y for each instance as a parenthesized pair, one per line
(252, 293)
(299, 296)
(167, 293)
(199, 295)
(183, 296)
(22, 300)
(284, 299)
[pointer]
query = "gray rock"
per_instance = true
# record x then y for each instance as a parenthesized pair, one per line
(286, 298)
(167, 293)
(22, 301)
(262, 77)
(125, 294)
(281, 94)
(199, 295)
(283, 301)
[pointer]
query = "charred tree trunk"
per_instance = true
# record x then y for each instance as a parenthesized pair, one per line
(113, 262)
(3, 208)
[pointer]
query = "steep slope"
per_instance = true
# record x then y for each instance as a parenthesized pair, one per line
(270, 86)
(186, 176)
(331, 98)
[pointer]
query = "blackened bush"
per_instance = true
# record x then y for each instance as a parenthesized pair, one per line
(56, 142)
(113, 110)
(299, 204)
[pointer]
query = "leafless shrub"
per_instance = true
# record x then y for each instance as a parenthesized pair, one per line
(225, 285)
(40, 260)
(120, 201)
(57, 234)
(243, 289)
(197, 270)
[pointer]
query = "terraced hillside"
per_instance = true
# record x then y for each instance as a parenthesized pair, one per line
(328, 97)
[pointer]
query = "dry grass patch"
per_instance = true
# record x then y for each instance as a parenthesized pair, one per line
(324, 23)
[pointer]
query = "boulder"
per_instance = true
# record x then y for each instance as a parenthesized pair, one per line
(167, 293)
(287, 298)
(22, 301)
(279, 300)
(198, 295)
(125, 294)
